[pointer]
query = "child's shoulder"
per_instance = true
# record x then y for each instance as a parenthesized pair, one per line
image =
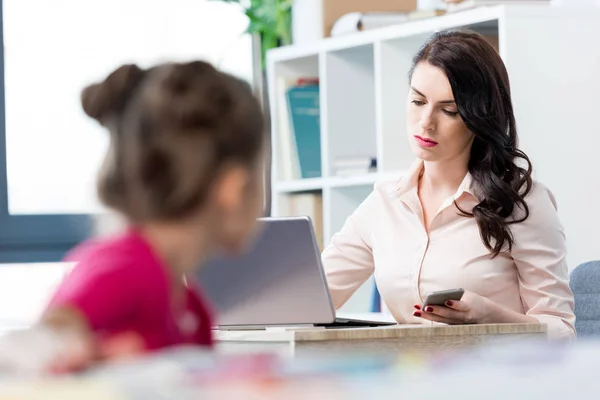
(111, 277)
(123, 252)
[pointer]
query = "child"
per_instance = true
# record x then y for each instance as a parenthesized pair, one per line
(184, 169)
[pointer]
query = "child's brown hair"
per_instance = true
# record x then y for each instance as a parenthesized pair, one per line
(173, 128)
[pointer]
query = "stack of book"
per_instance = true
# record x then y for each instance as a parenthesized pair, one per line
(355, 22)
(308, 204)
(354, 165)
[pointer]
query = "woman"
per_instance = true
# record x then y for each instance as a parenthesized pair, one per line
(467, 215)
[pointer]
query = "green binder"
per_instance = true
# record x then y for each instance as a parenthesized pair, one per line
(305, 124)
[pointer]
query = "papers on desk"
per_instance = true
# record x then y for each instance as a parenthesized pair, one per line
(374, 317)
(63, 389)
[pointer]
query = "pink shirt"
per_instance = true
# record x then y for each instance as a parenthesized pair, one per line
(122, 287)
(386, 236)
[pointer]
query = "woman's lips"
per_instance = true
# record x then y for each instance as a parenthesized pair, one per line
(424, 142)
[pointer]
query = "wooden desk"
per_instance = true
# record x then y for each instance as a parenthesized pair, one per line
(397, 338)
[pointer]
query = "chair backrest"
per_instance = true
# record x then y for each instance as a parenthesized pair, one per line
(585, 284)
(375, 299)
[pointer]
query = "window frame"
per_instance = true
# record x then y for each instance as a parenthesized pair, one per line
(48, 237)
(32, 238)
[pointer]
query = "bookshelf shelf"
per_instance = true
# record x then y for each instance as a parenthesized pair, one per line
(363, 86)
(485, 18)
(299, 185)
(315, 184)
(362, 180)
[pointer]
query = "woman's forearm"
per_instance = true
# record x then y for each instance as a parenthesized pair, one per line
(502, 315)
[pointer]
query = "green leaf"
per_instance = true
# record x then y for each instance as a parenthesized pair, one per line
(271, 20)
(258, 24)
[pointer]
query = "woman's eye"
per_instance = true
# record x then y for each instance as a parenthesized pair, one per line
(418, 102)
(450, 113)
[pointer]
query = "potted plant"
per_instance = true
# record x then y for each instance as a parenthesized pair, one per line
(270, 21)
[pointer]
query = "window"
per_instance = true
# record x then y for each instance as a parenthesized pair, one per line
(21, 308)
(49, 150)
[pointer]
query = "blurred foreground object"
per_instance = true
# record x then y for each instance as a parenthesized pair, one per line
(527, 370)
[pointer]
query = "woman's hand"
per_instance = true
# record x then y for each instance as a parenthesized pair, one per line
(471, 309)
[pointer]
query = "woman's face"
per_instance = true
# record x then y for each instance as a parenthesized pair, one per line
(436, 131)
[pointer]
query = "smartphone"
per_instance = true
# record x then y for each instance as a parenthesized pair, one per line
(440, 298)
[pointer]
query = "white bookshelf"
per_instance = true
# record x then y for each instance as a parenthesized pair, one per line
(553, 61)
(311, 184)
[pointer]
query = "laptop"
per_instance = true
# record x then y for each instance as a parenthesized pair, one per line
(278, 281)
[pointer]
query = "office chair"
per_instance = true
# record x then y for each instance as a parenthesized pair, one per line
(585, 284)
(375, 299)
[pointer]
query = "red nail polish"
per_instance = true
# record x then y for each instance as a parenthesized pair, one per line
(428, 309)
(418, 307)
(449, 303)
(417, 313)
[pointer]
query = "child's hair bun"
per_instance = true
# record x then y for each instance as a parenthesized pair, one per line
(173, 128)
(190, 96)
(101, 100)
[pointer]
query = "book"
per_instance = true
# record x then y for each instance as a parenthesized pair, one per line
(308, 204)
(422, 14)
(288, 156)
(378, 20)
(305, 125)
(356, 22)
(346, 172)
(358, 165)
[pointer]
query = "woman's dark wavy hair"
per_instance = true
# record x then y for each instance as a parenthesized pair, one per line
(481, 89)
